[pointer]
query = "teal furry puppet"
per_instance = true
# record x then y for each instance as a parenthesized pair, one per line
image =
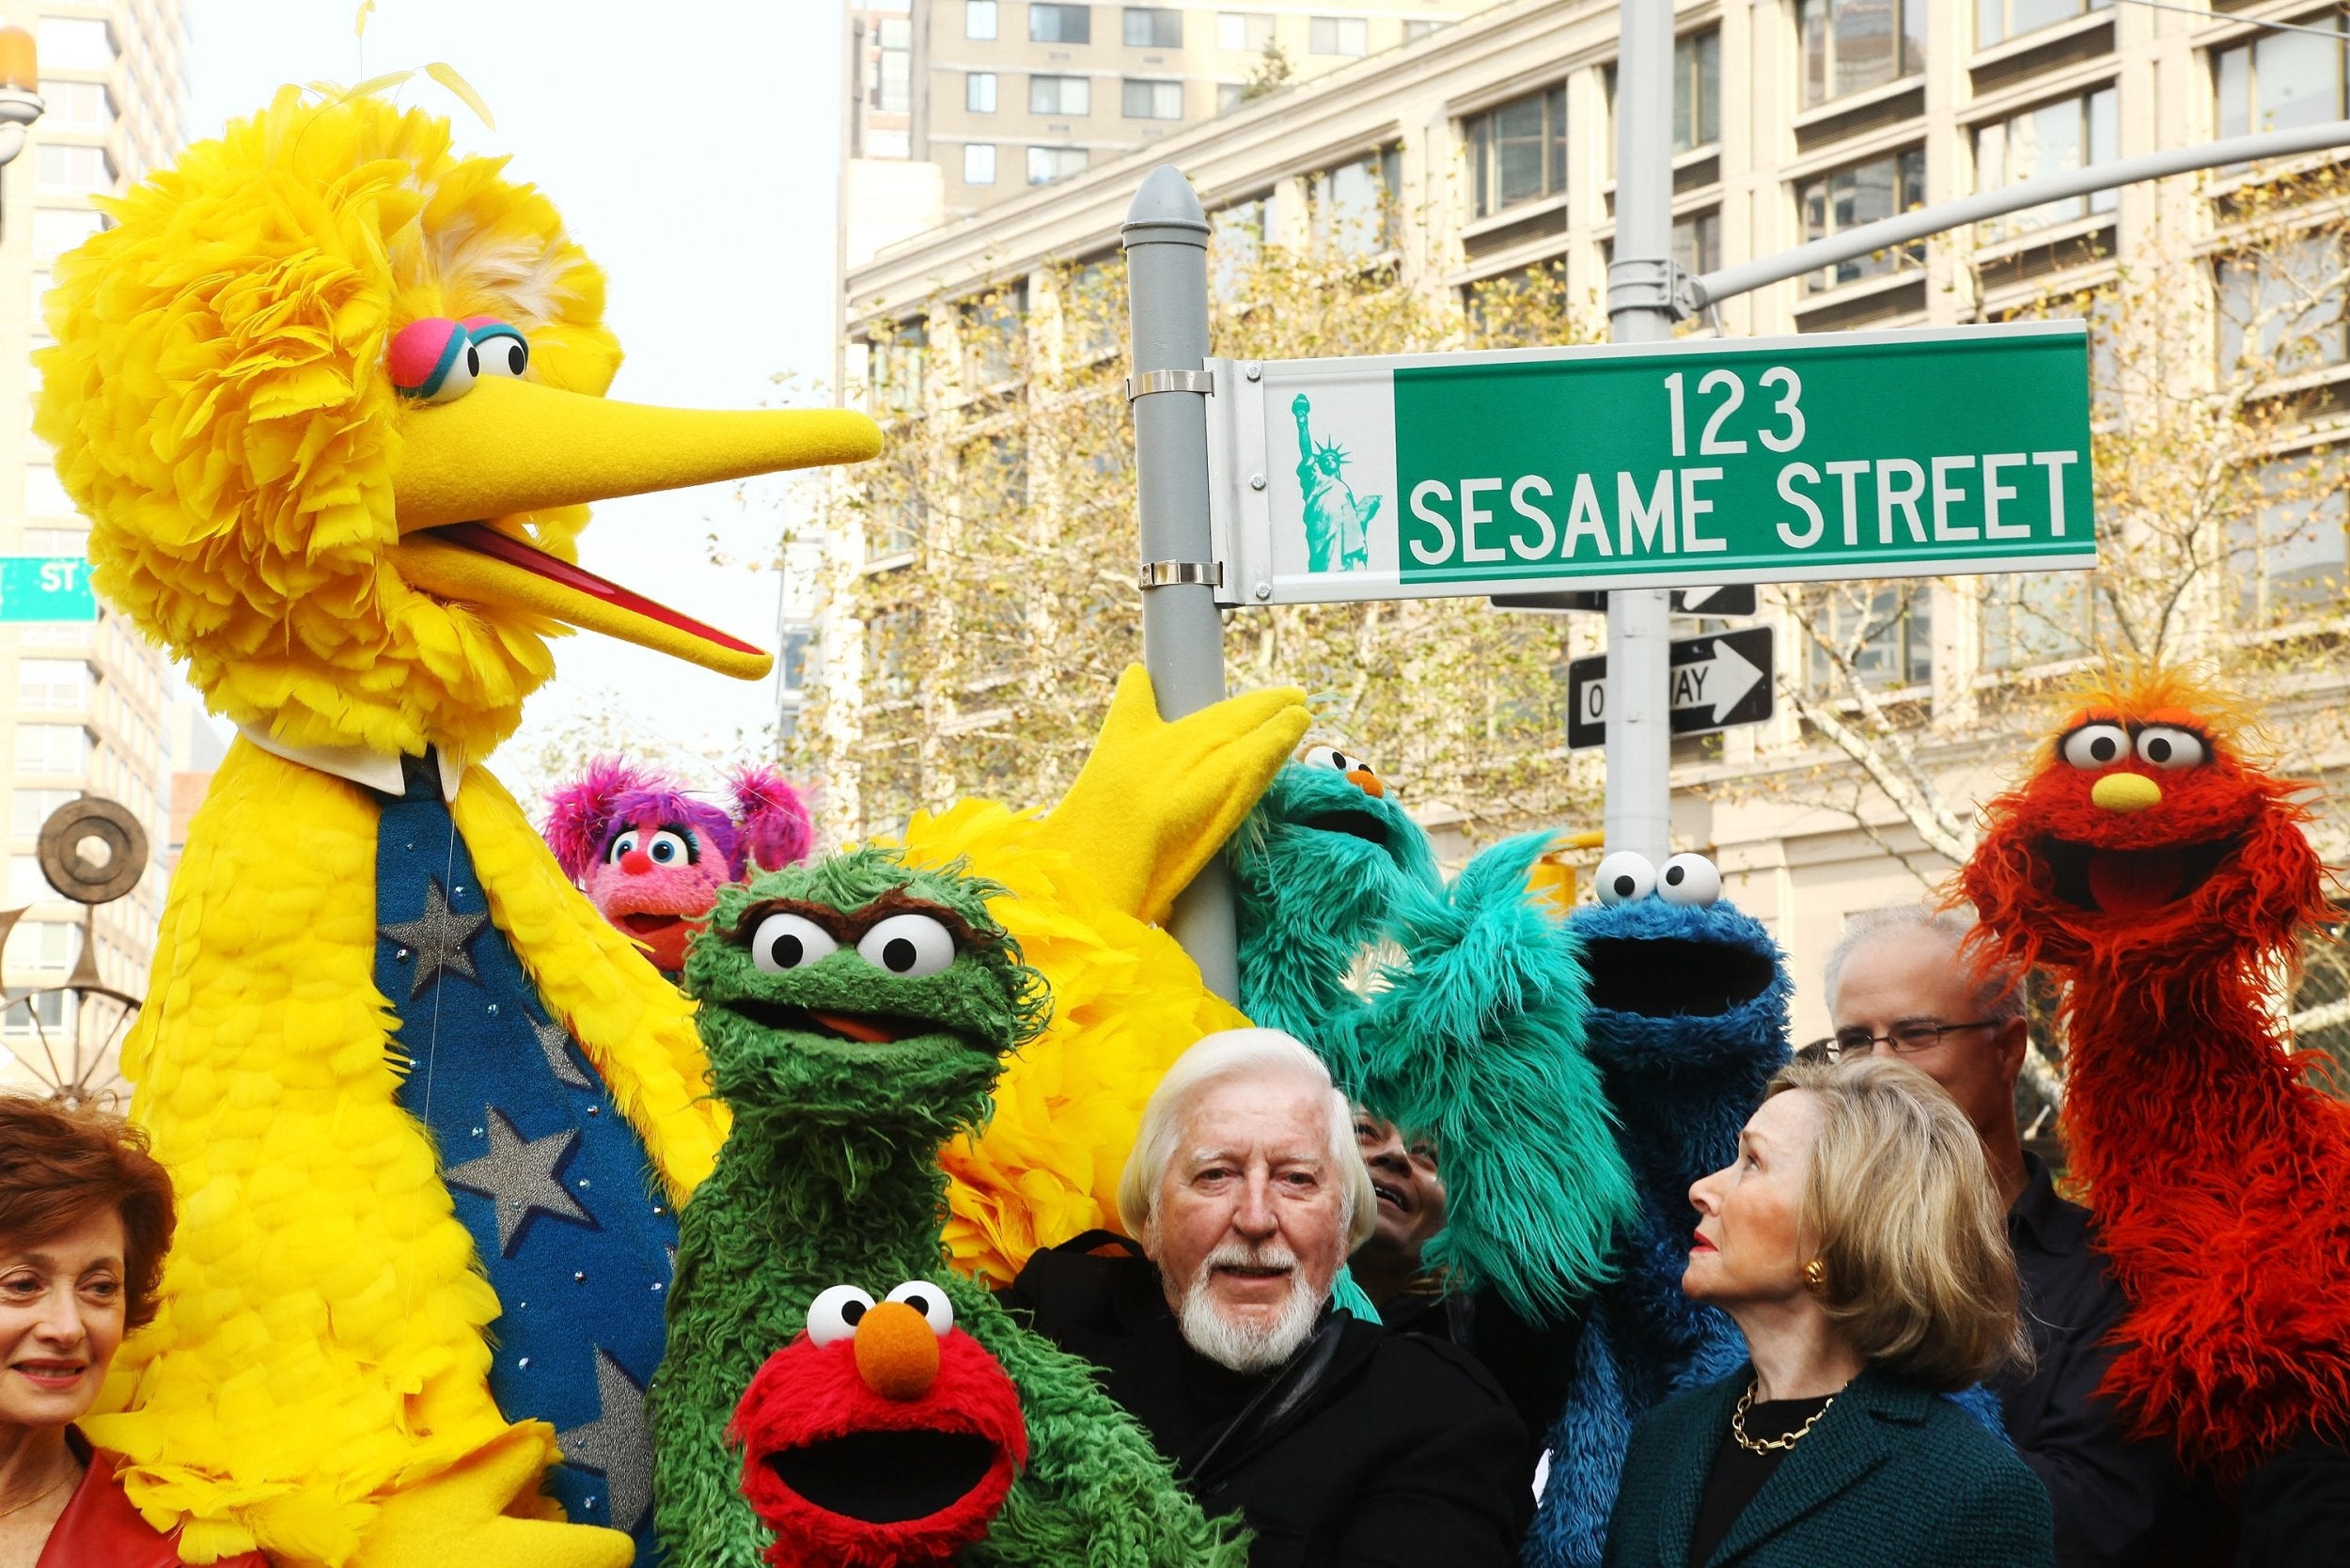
(833, 1393)
(1474, 1042)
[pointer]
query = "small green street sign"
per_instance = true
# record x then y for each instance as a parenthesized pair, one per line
(1866, 454)
(46, 587)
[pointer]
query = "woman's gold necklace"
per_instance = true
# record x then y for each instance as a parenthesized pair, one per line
(1769, 1445)
(30, 1501)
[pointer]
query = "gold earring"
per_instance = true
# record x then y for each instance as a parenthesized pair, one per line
(1815, 1277)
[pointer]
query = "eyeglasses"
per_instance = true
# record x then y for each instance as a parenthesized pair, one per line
(1917, 1034)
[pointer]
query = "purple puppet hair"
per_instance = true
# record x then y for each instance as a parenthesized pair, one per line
(614, 794)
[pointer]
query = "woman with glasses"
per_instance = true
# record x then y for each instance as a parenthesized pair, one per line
(1858, 1243)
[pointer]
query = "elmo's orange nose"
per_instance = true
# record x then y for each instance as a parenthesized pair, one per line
(897, 1353)
(1368, 783)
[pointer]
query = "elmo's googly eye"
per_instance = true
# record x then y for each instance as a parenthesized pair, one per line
(2096, 746)
(1332, 757)
(498, 350)
(836, 1313)
(433, 360)
(2167, 747)
(929, 1300)
(1624, 876)
(785, 941)
(912, 947)
(1689, 879)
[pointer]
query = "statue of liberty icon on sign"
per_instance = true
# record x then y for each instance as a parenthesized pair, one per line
(1338, 521)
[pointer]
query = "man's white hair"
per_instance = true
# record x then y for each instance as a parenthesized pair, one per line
(1998, 994)
(1243, 1054)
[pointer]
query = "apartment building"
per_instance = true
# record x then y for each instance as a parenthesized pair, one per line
(1491, 145)
(91, 698)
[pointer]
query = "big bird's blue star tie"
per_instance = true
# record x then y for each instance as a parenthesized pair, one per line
(566, 1215)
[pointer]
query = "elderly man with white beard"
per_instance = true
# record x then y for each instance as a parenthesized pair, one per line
(1342, 1446)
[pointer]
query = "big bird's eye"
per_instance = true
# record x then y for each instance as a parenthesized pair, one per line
(669, 848)
(836, 1313)
(1624, 876)
(785, 941)
(1689, 879)
(2167, 747)
(498, 350)
(929, 1300)
(432, 361)
(911, 946)
(1332, 757)
(2096, 746)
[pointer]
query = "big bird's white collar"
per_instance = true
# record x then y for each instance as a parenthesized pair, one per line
(377, 770)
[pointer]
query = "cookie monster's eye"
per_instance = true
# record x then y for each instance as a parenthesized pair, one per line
(909, 945)
(2096, 746)
(929, 1300)
(2167, 747)
(785, 941)
(620, 846)
(835, 1311)
(432, 361)
(1332, 757)
(498, 350)
(1689, 879)
(665, 848)
(1624, 876)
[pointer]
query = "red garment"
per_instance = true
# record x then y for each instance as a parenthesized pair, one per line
(99, 1529)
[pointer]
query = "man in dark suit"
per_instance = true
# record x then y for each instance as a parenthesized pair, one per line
(1342, 1446)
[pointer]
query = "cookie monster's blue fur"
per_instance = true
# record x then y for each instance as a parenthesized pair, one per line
(1683, 1079)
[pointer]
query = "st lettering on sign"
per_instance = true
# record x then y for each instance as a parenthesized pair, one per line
(1740, 461)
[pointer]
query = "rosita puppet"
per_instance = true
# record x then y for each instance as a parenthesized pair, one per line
(2154, 867)
(331, 395)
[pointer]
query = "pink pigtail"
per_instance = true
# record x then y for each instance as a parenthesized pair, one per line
(579, 815)
(776, 829)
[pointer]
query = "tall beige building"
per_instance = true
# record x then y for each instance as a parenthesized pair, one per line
(91, 698)
(1493, 139)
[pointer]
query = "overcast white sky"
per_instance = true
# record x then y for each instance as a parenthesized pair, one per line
(692, 148)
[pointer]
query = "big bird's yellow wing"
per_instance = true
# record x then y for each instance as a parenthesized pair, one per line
(321, 1346)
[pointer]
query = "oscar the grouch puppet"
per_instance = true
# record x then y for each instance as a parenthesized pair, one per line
(858, 1013)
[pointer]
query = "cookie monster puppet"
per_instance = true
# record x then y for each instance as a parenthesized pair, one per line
(332, 396)
(834, 1394)
(1686, 1021)
(652, 855)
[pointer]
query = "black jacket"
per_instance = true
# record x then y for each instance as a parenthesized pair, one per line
(1369, 1450)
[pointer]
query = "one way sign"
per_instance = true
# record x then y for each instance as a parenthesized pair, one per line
(1716, 681)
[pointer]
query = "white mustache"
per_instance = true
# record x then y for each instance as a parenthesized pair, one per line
(1269, 1255)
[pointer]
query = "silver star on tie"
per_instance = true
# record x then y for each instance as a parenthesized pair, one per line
(437, 939)
(553, 1038)
(518, 1175)
(616, 1444)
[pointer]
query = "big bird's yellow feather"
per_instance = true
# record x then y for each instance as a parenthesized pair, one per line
(221, 409)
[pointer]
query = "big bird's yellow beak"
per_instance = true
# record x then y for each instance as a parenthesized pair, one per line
(510, 447)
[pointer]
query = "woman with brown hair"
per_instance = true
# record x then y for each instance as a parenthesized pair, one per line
(86, 1217)
(1858, 1243)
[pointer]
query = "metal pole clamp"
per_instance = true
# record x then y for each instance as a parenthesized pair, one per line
(1168, 573)
(1169, 381)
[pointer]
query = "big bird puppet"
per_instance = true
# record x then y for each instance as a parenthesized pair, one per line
(331, 395)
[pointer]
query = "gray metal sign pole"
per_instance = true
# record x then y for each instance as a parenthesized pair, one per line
(1165, 240)
(1640, 310)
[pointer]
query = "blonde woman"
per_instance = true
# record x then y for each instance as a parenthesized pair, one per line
(1858, 1243)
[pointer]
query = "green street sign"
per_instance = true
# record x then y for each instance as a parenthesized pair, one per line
(46, 587)
(1866, 454)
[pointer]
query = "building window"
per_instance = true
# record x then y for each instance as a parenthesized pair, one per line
(1243, 32)
(1229, 95)
(1339, 35)
(74, 170)
(42, 944)
(1153, 100)
(796, 658)
(1354, 205)
(2282, 310)
(994, 334)
(1996, 21)
(2286, 556)
(1048, 163)
(1859, 195)
(1049, 24)
(1237, 236)
(1697, 242)
(892, 88)
(979, 164)
(1852, 45)
(1065, 96)
(899, 362)
(29, 808)
(893, 653)
(1153, 27)
(52, 683)
(1888, 631)
(50, 747)
(76, 43)
(979, 92)
(2054, 138)
(1415, 31)
(1696, 91)
(979, 19)
(1518, 151)
(77, 106)
(2031, 618)
(2279, 81)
